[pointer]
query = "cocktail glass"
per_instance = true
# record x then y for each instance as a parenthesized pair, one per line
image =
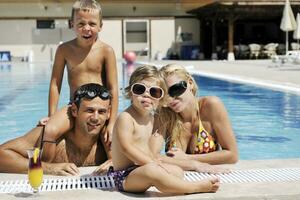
(35, 170)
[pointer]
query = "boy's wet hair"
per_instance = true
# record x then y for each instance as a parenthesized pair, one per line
(87, 5)
(91, 91)
(141, 73)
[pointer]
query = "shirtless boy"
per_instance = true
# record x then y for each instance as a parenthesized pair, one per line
(88, 60)
(81, 146)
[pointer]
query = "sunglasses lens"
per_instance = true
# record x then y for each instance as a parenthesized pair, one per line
(156, 92)
(138, 89)
(177, 89)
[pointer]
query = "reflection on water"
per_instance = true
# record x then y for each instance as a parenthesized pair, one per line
(5, 67)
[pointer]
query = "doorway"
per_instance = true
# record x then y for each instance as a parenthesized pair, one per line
(136, 37)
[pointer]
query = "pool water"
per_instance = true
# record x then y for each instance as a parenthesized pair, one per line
(266, 122)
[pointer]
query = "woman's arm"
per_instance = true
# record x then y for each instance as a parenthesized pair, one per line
(214, 111)
(157, 143)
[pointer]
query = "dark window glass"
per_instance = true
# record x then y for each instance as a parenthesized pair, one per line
(45, 24)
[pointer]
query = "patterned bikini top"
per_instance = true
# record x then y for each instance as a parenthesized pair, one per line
(205, 143)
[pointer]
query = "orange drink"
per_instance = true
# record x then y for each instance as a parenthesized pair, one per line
(35, 170)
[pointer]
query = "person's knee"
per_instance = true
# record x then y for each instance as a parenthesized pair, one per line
(176, 171)
(153, 171)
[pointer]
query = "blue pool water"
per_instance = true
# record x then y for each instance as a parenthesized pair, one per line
(266, 122)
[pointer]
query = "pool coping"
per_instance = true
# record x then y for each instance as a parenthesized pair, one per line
(283, 87)
(194, 69)
(243, 191)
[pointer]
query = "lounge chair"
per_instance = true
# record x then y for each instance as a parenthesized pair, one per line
(254, 50)
(291, 57)
(295, 46)
(270, 49)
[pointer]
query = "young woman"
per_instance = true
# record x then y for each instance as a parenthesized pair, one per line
(195, 128)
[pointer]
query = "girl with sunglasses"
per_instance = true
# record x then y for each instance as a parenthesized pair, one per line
(195, 128)
(136, 168)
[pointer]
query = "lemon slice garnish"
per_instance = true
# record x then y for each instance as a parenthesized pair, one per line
(36, 154)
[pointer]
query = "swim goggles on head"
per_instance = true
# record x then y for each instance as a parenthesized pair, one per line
(154, 91)
(102, 93)
(177, 89)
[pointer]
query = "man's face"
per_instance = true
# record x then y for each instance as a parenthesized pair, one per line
(86, 25)
(92, 115)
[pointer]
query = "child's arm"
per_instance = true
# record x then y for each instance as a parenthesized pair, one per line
(124, 130)
(56, 80)
(112, 85)
(103, 168)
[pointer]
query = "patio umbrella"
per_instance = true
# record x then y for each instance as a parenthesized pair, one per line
(288, 22)
(296, 34)
(178, 35)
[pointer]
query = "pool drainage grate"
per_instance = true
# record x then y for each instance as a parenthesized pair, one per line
(106, 182)
(247, 176)
(59, 184)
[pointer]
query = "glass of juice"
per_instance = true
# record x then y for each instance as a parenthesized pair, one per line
(35, 170)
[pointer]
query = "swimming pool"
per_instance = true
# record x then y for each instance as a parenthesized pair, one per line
(266, 122)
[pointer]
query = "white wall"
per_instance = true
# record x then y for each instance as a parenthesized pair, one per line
(162, 35)
(16, 31)
(21, 38)
(111, 34)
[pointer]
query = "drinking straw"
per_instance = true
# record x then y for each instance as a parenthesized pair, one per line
(42, 142)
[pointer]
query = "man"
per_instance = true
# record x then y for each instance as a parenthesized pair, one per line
(81, 146)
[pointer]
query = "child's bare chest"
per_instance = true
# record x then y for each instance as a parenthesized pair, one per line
(142, 134)
(85, 59)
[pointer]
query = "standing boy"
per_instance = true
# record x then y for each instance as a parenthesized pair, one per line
(87, 60)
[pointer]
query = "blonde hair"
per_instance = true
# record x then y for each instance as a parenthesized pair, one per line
(87, 5)
(144, 72)
(170, 122)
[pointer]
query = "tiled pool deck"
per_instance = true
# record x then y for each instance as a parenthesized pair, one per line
(261, 72)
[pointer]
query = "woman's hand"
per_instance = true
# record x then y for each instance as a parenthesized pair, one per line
(177, 153)
(207, 168)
